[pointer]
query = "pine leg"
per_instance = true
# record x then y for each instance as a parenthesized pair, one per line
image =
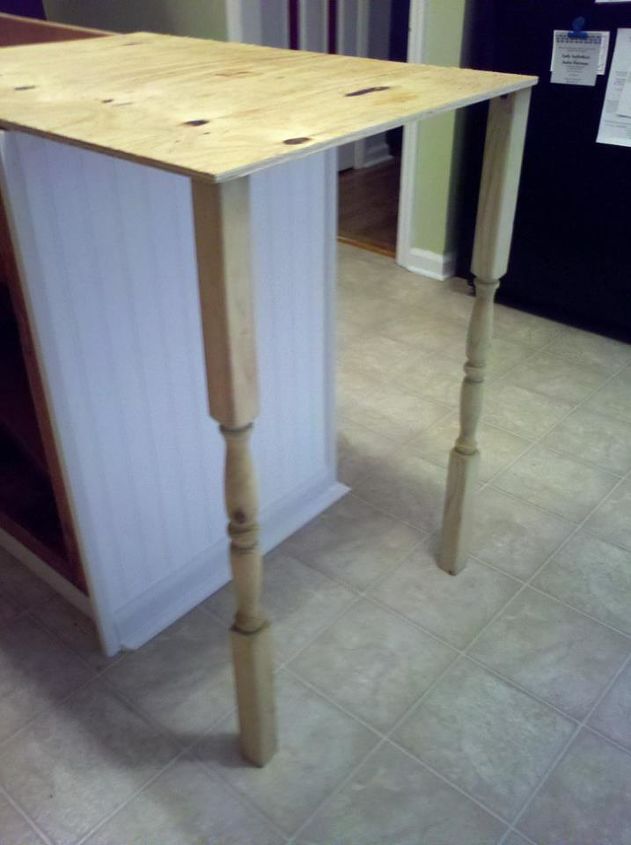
(503, 153)
(221, 214)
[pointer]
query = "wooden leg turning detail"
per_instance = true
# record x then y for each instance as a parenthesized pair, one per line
(221, 214)
(250, 635)
(505, 135)
(464, 458)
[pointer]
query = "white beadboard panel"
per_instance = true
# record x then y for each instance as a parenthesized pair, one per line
(108, 257)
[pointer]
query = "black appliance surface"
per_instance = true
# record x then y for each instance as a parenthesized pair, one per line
(571, 254)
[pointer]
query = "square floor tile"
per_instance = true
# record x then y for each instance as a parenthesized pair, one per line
(14, 830)
(612, 520)
(182, 678)
(556, 482)
(375, 357)
(79, 761)
(586, 800)
(318, 746)
(598, 439)
(455, 608)
(453, 299)
(408, 488)
(612, 717)
(487, 737)
(426, 331)
(299, 600)
(353, 542)
(581, 347)
(552, 651)
(393, 800)
(614, 398)
(557, 378)
(186, 805)
(498, 448)
(75, 629)
(360, 314)
(389, 409)
(9, 610)
(514, 535)
(519, 326)
(434, 376)
(35, 671)
(503, 356)
(360, 451)
(523, 412)
(592, 576)
(19, 585)
(373, 663)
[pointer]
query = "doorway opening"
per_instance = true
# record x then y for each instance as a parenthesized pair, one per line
(370, 170)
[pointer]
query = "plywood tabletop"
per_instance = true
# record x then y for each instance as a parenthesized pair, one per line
(220, 110)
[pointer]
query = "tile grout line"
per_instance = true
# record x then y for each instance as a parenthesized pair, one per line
(604, 736)
(388, 738)
(610, 683)
(30, 822)
(460, 654)
(109, 816)
(451, 664)
(446, 780)
(51, 630)
(572, 533)
(62, 700)
(561, 419)
(464, 654)
(363, 591)
(619, 479)
(157, 728)
(383, 738)
(359, 594)
(208, 771)
(582, 725)
(531, 586)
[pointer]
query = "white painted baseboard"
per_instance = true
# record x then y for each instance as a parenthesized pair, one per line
(434, 265)
(375, 153)
(157, 608)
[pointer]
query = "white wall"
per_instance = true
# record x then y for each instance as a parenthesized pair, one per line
(108, 259)
(197, 18)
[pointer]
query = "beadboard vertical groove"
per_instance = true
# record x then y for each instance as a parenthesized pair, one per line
(108, 256)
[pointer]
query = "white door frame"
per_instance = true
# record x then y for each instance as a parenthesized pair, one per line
(409, 155)
(406, 254)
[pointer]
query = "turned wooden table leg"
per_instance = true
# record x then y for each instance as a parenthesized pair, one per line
(222, 213)
(503, 151)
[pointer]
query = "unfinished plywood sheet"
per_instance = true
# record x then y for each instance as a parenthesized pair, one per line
(220, 110)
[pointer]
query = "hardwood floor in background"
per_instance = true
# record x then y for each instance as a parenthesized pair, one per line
(368, 206)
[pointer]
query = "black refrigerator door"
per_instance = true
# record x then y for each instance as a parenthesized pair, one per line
(571, 254)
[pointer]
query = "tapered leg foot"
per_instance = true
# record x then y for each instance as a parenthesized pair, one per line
(458, 515)
(254, 678)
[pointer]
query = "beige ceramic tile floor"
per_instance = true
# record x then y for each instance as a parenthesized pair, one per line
(415, 708)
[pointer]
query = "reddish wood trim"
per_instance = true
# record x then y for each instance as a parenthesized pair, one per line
(36, 382)
(368, 245)
(15, 31)
(59, 564)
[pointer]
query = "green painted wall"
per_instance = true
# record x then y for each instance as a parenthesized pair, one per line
(438, 153)
(200, 18)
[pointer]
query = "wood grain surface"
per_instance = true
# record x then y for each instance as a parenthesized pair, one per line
(220, 110)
